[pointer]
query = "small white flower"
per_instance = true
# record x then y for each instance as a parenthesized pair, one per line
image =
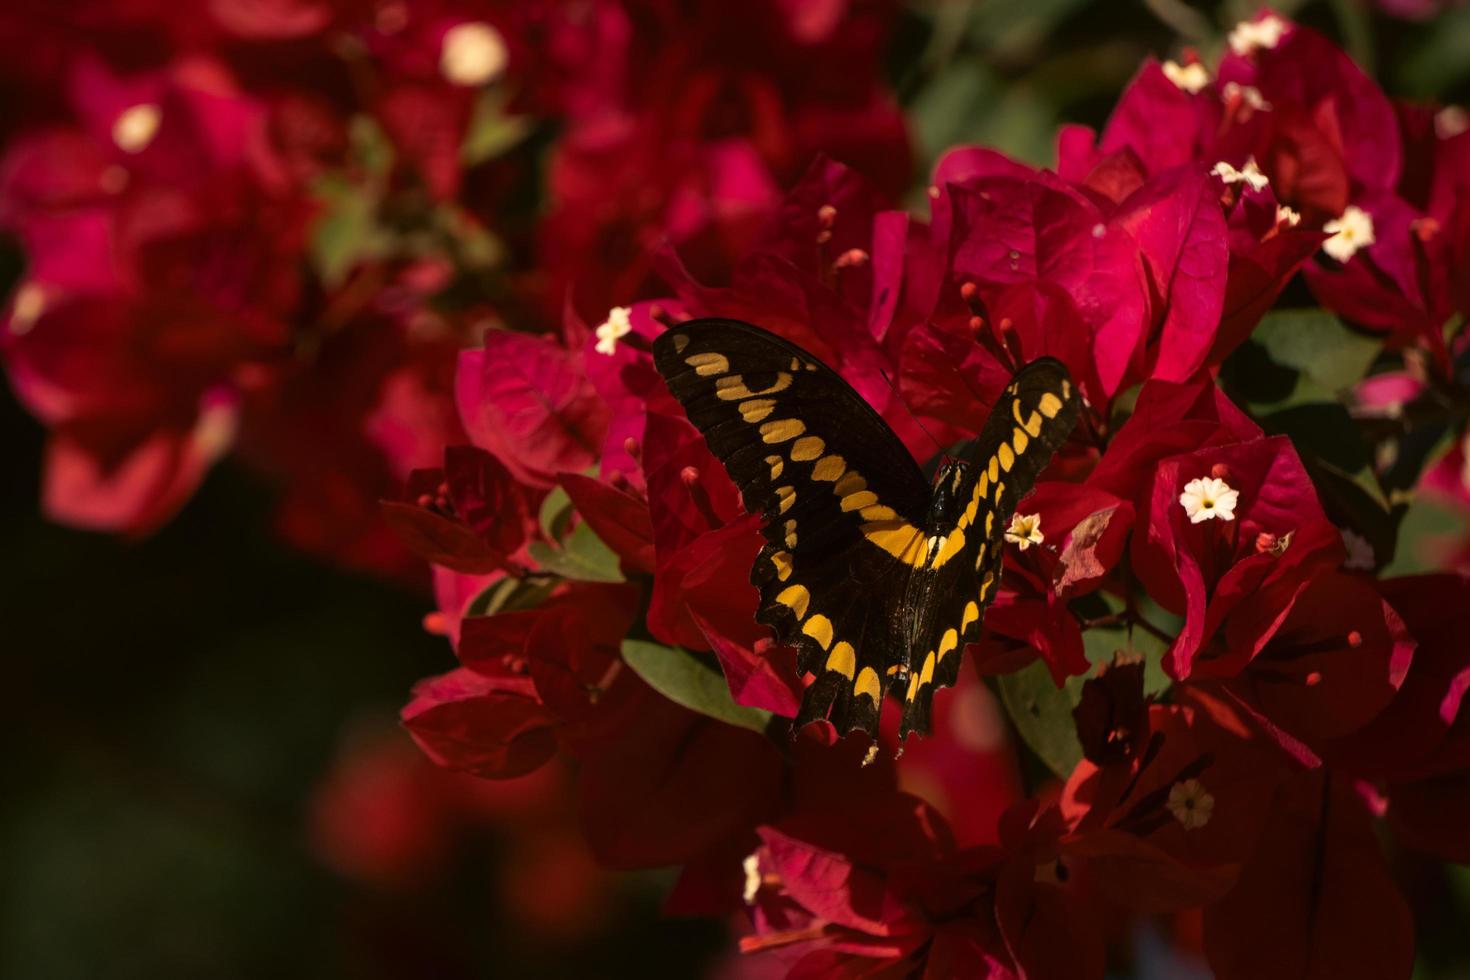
(1025, 530)
(752, 866)
(1209, 498)
(472, 54)
(1450, 122)
(1359, 551)
(617, 325)
(1350, 232)
(1252, 35)
(1191, 78)
(1250, 174)
(135, 127)
(1248, 94)
(1191, 804)
(1287, 216)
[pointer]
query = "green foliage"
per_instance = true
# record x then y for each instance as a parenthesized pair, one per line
(692, 682)
(1042, 713)
(1318, 345)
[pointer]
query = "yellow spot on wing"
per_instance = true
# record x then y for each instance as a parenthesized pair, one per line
(757, 409)
(733, 388)
(708, 363)
(782, 561)
(1006, 456)
(843, 659)
(878, 513)
(791, 533)
(982, 485)
(1020, 440)
(947, 642)
(681, 341)
(868, 683)
(807, 448)
(985, 585)
(851, 483)
(913, 686)
(819, 628)
(953, 544)
(777, 464)
(786, 496)
(1033, 424)
(899, 538)
(1050, 405)
(795, 598)
(781, 430)
(926, 675)
(992, 470)
(972, 615)
(829, 468)
(859, 500)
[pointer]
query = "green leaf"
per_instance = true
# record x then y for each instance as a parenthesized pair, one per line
(491, 131)
(1435, 63)
(1042, 713)
(1102, 642)
(347, 231)
(556, 513)
(1428, 534)
(1317, 344)
(369, 147)
(1011, 30)
(509, 595)
(685, 679)
(582, 557)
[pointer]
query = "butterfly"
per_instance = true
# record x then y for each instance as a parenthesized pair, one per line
(877, 577)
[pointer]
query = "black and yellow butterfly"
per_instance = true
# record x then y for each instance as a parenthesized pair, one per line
(876, 577)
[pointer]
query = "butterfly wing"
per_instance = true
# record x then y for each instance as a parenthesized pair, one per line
(1031, 419)
(842, 502)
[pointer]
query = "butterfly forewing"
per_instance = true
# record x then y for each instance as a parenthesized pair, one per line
(1030, 420)
(842, 502)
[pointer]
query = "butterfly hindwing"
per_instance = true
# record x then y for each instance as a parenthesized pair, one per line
(1030, 420)
(841, 498)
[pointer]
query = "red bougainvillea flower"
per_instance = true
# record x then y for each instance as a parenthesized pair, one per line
(1170, 800)
(1418, 747)
(724, 108)
(1315, 895)
(1230, 533)
(1336, 662)
(887, 895)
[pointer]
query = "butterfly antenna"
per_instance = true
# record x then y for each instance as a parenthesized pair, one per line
(910, 412)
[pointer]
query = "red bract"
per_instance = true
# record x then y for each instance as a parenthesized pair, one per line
(724, 108)
(1234, 582)
(1315, 897)
(1338, 659)
(837, 902)
(1165, 822)
(528, 401)
(1006, 228)
(471, 516)
(490, 726)
(1418, 747)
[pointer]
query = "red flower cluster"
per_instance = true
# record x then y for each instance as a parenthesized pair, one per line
(592, 557)
(270, 227)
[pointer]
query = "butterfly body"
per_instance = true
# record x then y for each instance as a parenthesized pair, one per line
(877, 577)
